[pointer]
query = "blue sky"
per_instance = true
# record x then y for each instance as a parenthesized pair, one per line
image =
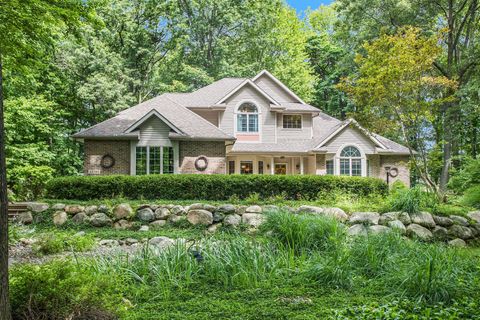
(301, 5)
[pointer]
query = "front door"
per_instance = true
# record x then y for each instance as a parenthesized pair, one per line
(280, 168)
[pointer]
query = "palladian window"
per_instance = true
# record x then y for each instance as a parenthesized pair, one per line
(350, 161)
(247, 118)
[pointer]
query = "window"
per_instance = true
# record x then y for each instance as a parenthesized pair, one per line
(141, 160)
(351, 162)
(246, 167)
(260, 167)
(292, 121)
(153, 160)
(329, 165)
(247, 118)
(231, 167)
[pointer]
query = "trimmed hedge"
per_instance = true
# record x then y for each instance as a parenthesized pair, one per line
(208, 187)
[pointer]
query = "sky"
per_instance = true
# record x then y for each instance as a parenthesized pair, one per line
(301, 5)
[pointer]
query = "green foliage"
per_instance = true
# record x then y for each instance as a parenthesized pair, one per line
(410, 200)
(29, 182)
(471, 197)
(62, 290)
(466, 177)
(56, 242)
(207, 187)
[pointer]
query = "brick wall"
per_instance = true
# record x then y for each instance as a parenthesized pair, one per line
(189, 151)
(96, 149)
(399, 162)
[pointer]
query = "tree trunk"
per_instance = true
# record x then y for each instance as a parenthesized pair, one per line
(4, 299)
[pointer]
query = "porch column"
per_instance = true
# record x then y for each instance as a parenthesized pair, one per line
(301, 166)
(272, 166)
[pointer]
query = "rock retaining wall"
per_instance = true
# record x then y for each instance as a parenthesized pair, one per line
(455, 230)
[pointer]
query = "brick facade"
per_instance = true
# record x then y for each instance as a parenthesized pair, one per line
(96, 149)
(214, 151)
(399, 162)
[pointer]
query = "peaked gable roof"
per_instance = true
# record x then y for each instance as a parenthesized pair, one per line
(279, 83)
(243, 84)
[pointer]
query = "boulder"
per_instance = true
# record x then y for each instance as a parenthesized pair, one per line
(162, 213)
(387, 217)
(378, 229)
(232, 220)
(200, 216)
(474, 215)
(144, 229)
(423, 218)
(253, 219)
(130, 241)
(417, 231)
(241, 210)
(335, 213)
(404, 217)
(59, 218)
(38, 206)
(253, 209)
(25, 217)
(218, 216)
(74, 209)
(122, 224)
(58, 206)
(398, 226)
(161, 242)
(175, 219)
(89, 210)
(214, 227)
(108, 243)
(80, 217)
(79, 234)
(367, 218)
(440, 233)
(100, 219)
(157, 224)
(459, 243)
(196, 206)
(475, 229)
(122, 211)
(145, 215)
(443, 221)
(357, 230)
(209, 207)
(103, 208)
(226, 209)
(459, 220)
(457, 231)
(178, 210)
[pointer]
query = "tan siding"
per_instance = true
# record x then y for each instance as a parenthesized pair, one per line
(351, 136)
(304, 133)
(274, 90)
(210, 116)
(267, 118)
(154, 132)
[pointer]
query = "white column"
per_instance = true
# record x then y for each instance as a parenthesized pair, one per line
(272, 166)
(301, 166)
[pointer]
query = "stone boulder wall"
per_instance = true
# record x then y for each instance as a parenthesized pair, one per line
(454, 230)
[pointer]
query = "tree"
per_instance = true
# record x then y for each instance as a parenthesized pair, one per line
(396, 79)
(28, 26)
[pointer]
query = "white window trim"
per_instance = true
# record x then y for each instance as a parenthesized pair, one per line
(133, 157)
(281, 163)
(235, 120)
(363, 160)
(249, 161)
(292, 129)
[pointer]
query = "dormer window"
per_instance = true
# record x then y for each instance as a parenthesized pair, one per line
(247, 118)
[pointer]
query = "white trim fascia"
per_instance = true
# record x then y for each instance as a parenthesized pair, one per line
(346, 124)
(278, 82)
(254, 85)
(147, 116)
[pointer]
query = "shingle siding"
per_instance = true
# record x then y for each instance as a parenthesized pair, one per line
(94, 151)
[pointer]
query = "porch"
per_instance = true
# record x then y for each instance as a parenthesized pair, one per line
(271, 164)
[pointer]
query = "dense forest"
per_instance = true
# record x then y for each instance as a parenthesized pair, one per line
(408, 70)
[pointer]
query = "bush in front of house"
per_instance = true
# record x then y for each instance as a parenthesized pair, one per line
(209, 187)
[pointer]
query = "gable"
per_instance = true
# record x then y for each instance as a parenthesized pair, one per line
(350, 135)
(154, 131)
(274, 90)
(248, 92)
(247, 83)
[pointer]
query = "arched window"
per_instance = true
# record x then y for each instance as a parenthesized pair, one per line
(351, 161)
(247, 117)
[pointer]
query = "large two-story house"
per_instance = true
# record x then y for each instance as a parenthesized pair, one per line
(238, 126)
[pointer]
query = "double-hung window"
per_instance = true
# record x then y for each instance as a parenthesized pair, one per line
(153, 160)
(247, 118)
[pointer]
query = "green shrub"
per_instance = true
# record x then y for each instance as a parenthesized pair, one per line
(304, 232)
(410, 200)
(62, 290)
(466, 177)
(471, 197)
(332, 271)
(208, 187)
(29, 182)
(56, 242)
